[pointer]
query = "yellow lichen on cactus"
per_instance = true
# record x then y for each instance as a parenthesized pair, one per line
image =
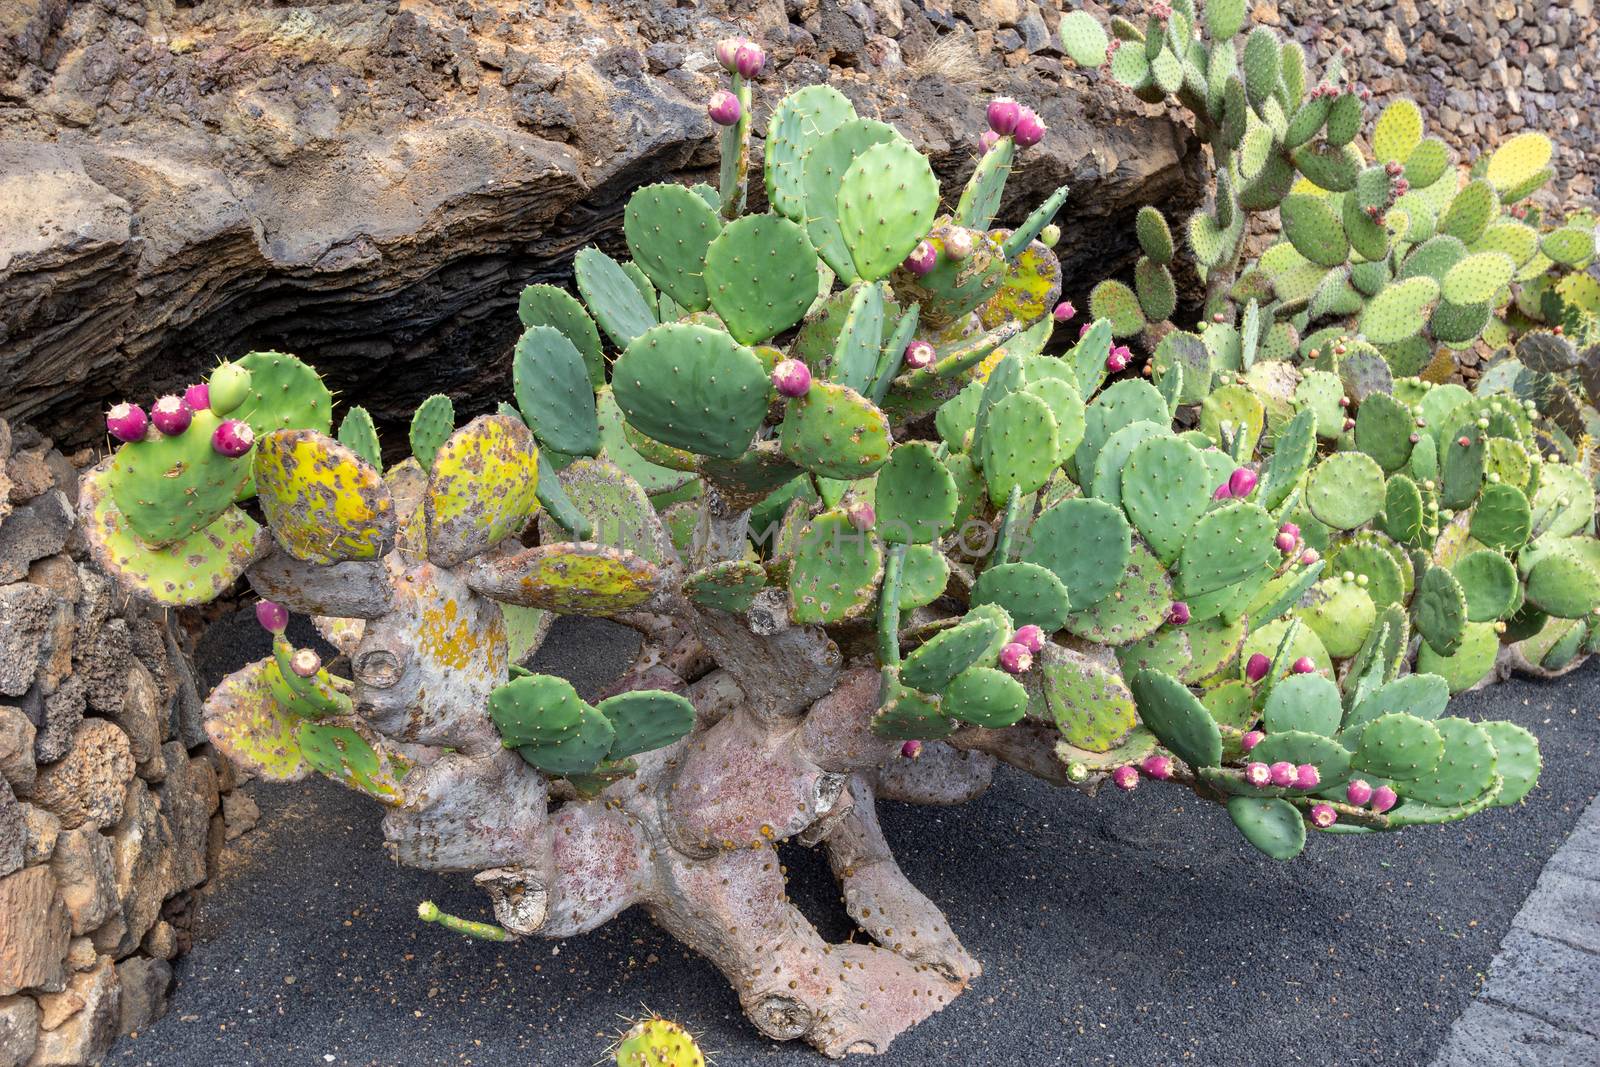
(483, 488)
(323, 502)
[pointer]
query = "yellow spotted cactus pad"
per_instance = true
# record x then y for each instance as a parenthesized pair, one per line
(324, 503)
(482, 489)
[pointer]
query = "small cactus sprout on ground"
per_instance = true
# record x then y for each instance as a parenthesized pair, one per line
(881, 532)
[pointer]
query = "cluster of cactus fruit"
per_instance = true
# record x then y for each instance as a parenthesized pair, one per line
(879, 535)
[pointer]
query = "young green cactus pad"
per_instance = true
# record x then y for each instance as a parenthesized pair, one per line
(881, 530)
(658, 1043)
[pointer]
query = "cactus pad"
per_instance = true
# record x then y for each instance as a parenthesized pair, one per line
(798, 122)
(692, 387)
(730, 585)
(985, 697)
(1315, 230)
(483, 488)
(668, 229)
(1029, 593)
(1340, 613)
(1517, 759)
(612, 295)
(1271, 824)
(950, 652)
(915, 498)
(1489, 582)
(1115, 302)
(323, 502)
(1305, 702)
(1400, 311)
(570, 578)
(834, 576)
(167, 488)
(1177, 718)
(615, 508)
(1165, 491)
(646, 719)
(1346, 490)
(359, 435)
(553, 391)
(1466, 769)
(761, 272)
(550, 725)
(1136, 606)
(908, 715)
(1019, 445)
(1440, 610)
(1086, 543)
(1564, 585)
(547, 305)
(835, 432)
(350, 756)
(658, 1042)
(431, 424)
(886, 203)
(1227, 546)
(1399, 746)
(246, 721)
(1090, 705)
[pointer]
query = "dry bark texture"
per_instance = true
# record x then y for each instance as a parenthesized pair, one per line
(369, 185)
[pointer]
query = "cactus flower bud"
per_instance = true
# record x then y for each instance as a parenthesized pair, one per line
(1242, 482)
(1258, 774)
(958, 244)
(127, 423)
(273, 616)
(1015, 658)
(861, 516)
(1258, 666)
(1349, 424)
(1050, 235)
(1064, 311)
(305, 662)
(986, 142)
(170, 415)
(229, 385)
(1310, 556)
(1282, 774)
(922, 259)
(1157, 767)
(1178, 614)
(1384, 798)
(1030, 129)
(1286, 543)
(1303, 665)
(1125, 778)
(1415, 438)
(1003, 115)
(911, 749)
(198, 397)
(1358, 792)
(1117, 360)
(1030, 636)
(749, 59)
(1251, 740)
(233, 438)
(1221, 492)
(791, 378)
(1306, 776)
(728, 53)
(724, 108)
(1085, 328)
(1323, 816)
(918, 354)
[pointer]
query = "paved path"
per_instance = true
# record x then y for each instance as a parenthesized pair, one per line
(1134, 930)
(1541, 1004)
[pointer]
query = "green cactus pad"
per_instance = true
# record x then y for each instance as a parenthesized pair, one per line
(824, 165)
(1086, 543)
(1227, 546)
(1399, 746)
(1271, 824)
(1083, 39)
(1400, 311)
(1364, 373)
(285, 394)
(954, 287)
(886, 203)
(1346, 490)
(431, 425)
(692, 387)
(923, 577)
(1422, 695)
(835, 432)
(1165, 491)
(1402, 509)
(549, 725)
(350, 756)
(834, 575)
(1489, 582)
(1564, 503)
(1397, 131)
(908, 715)
(553, 391)
(1030, 594)
(1372, 557)
(1018, 446)
(1156, 289)
(1305, 702)
(1564, 585)
(1136, 606)
(985, 697)
(730, 585)
(1477, 278)
(617, 511)
(612, 296)
(1331, 759)
(323, 502)
(1383, 429)
(1150, 227)
(1061, 397)
(168, 488)
(548, 305)
(1469, 213)
(915, 497)
(1340, 613)
(249, 725)
(1028, 291)
(1314, 229)
(483, 488)
(1122, 404)
(856, 354)
(798, 122)
(1268, 640)
(657, 1042)
(1177, 718)
(949, 652)
(1115, 302)
(1517, 759)
(616, 439)
(1187, 352)
(1466, 769)
(668, 229)
(644, 720)
(1291, 455)
(1235, 413)
(1090, 705)
(359, 435)
(761, 272)
(1440, 610)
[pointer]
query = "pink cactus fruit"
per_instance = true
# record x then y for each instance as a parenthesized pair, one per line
(1251, 740)
(1258, 774)
(1323, 816)
(127, 423)
(1029, 636)
(170, 415)
(1384, 798)
(1158, 767)
(1306, 776)
(1015, 658)
(273, 617)
(791, 378)
(1125, 778)
(1358, 792)
(1283, 774)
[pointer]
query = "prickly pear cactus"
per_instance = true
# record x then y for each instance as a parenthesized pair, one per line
(882, 530)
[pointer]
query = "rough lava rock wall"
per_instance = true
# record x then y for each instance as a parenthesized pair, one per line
(370, 184)
(113, 809)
